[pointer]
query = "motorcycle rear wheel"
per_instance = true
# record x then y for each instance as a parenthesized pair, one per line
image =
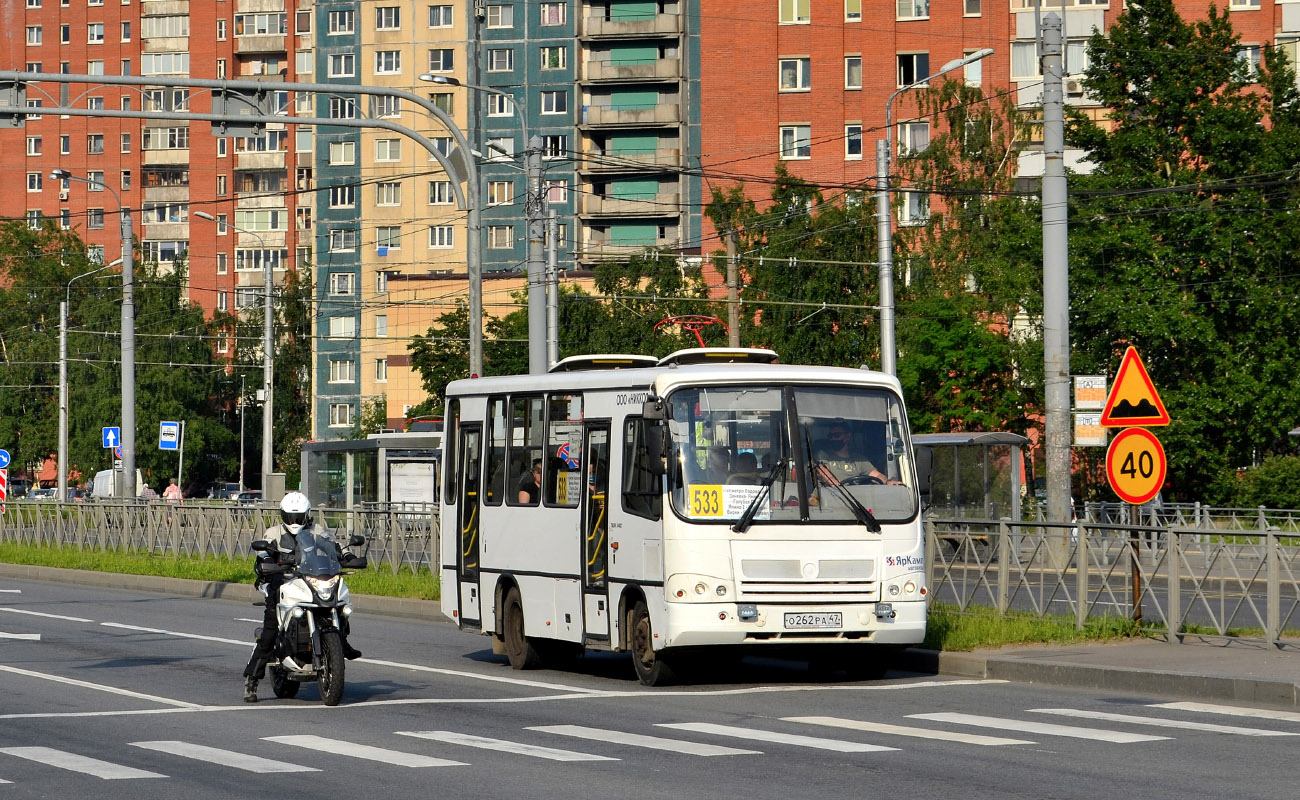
(331, 668)
(283, 687)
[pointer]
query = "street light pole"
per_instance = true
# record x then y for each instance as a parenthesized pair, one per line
(63, 380)
(268, 353)
(128, 487)
(884, 220)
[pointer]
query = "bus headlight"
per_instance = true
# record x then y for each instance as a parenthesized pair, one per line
(696, 588)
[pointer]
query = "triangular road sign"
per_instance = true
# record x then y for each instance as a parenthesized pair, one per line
(1133, 399)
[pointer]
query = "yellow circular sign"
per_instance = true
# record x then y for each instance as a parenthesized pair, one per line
(1135, 465)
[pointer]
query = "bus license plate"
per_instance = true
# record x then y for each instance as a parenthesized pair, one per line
(829, 619)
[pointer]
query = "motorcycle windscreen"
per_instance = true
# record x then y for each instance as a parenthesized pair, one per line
(317, 554)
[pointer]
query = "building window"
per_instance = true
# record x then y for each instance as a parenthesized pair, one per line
(445, 101)
(343, 196)
(340, 415)
(166, 139)
(65, 34)
(343, 108)
(501, 237)
(223, 265)
(853, 72)
(94, 67)
(440, 193)
(388, 237)
(388, 62)
(915, 209)
(33, 145)
(343, 153)
(853, 142)
(796, 142)
(554, 57)
(794, 74)
(381, 370)
(222, 303)
(388, 149)
(168, 63)
(555, 146)
(95, 218)
(553, 13)
(342, 65)
(96, 179)
(500, 148)
(387, 106)
(381, 283)
(381, 325)
(852, 10)
(500, 16)
(501, 60)
(126, 31)
(440, 17)
(343, 327)
(1024, 60)
(343, 240)
(126, 143)
(95, 103)
(913, 138)
(501, 193)
(261, 219)
(342, 370)
(341, 283)
(795, 12)
(34, 181)
(557, 191)
(972, 8)
(34, 35)
(341, 22)
(65, 218)
(1249, 56)
(973, 73)
(94, 33)
(388, 18)
(500, 105)
(913, 68)
(442, 60)
(95, 143)
(34, 223)
(388, 193)
(221, 186)
(913, 9)
(1240, 5)
(442, 237)
(555, 102)
(65, 145)
(561, 236)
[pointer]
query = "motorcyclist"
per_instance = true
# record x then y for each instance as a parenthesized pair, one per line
(271, 566)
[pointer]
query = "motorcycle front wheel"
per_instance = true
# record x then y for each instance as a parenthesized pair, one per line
(331, 668)
(283, 687)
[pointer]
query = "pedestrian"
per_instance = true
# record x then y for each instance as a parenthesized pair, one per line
(172, 493)
(147, 494)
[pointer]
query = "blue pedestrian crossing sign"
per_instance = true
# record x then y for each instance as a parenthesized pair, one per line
(112, 437)
(169, 435)
(4, 458)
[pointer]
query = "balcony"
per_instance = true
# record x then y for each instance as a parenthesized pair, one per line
(176, 231)
(164, 8)
(597, 251)
(165, 44)
(267, 43)
(270, 240)
(259, 6)
(597, 161)
(166, 157)
(259, 199)
(665, 113)
(251, 159)
(596, 26)
(660, 69)
(167, 194)
(661, 205)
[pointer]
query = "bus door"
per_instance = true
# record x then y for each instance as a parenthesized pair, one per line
(595, 532)
(470, 451)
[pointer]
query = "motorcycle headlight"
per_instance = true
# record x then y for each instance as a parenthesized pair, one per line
(324, 587)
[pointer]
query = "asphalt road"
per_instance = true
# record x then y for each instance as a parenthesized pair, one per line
(123, 694)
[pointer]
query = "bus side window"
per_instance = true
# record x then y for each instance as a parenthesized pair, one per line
(642, 494)
(449, 449)
(527, 437)
(494, 488)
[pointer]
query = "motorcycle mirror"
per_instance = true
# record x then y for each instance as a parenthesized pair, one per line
(356, 540)
(261, 545)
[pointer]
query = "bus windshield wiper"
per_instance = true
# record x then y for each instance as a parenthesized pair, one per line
(764, 491)
(860, 512)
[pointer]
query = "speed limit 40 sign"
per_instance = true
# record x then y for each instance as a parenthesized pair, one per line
(1135, 465)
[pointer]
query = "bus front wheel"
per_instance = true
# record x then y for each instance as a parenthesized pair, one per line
(521, 653)
(653, 667)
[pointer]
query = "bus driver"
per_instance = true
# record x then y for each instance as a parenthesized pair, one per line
(839, 462)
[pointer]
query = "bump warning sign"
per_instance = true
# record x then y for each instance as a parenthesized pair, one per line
(1133, 399)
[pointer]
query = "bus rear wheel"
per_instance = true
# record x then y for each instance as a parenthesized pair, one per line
(521, 653)
(653, 668)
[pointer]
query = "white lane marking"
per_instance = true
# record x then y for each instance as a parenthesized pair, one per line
(165, 632)
(225, 758)
(75, 763)
(98, 687)
(757, 734)
(1162, 723)
(641, 740)
(248, 619)
(43, 614)
(1044, 728)
(12, 591)
(519, 748)
(1233, 711)
(900, 730)
(559, 687)
(31, 637)
(335, 747)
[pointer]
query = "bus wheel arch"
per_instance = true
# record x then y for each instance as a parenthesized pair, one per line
(520, 651)
(653, 667)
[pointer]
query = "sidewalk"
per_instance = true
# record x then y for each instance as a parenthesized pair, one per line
(1196, 669)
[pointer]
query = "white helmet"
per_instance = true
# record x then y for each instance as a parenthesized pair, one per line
(295, 511)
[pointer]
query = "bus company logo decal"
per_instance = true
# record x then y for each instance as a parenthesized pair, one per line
(913, 563)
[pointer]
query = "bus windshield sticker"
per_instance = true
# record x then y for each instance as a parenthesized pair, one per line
(724, 502)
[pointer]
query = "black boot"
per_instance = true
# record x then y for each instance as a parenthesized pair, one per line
(350, 653)
(250, 690)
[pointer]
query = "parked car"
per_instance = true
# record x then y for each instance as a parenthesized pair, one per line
(19, 487)
(248, 498)
(223, 491)
(42, 494)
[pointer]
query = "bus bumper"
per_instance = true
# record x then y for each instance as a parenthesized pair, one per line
(705, 624)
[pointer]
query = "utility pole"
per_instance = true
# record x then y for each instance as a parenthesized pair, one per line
(63, 401)
(733, 289)
(128, 356)
(241, 434)
(552, 288)
(536, 243)
(1056, 281)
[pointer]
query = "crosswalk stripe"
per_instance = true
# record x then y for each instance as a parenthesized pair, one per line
(641, 740)
(335, 747)
(75, 763)
(1027, 726)
(1235, 711)
(899, 730)
(1163, 723)
(225, 758)
(758, 734)
(519, 748)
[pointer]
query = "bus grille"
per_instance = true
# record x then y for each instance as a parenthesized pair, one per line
(809, 591)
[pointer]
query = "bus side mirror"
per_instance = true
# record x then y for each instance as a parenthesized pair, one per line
(656, 444)
(924, 472)
(653, 409)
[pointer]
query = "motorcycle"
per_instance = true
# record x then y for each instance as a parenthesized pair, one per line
(314, 605)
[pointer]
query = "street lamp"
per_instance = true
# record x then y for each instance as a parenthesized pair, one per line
(63, 378)
(128, 332)
(884, 221)
(268, 352)
(532, 209)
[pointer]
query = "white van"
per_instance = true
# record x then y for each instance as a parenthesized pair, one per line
(102, 488)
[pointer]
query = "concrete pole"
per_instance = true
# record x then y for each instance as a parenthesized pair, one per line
(536, 261)
(128, 357)
(268, 372)
(733, 290)
(1056, 282)
(552, 288)
(885, 255)
(63, 401)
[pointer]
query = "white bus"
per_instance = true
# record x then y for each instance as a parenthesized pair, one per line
(711, 503)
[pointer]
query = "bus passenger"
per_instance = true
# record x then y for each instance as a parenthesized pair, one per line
(719, 466)
(529, 484)
(746, 473)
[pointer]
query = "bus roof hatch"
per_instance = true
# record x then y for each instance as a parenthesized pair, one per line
(720, 355)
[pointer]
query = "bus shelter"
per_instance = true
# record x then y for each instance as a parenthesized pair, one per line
(975, 475)
(384, 469)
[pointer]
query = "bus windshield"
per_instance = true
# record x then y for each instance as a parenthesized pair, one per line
(793, 453)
